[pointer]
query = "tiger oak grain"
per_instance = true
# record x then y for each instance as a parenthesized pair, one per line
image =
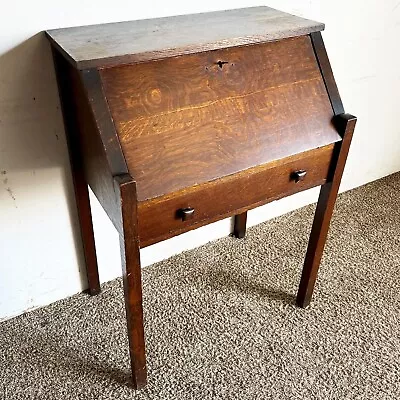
(233, 194)
(187, 120)
(127, 42)
(179, 122)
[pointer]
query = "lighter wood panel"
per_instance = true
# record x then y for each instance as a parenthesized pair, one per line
(179, 83)
(185, 121)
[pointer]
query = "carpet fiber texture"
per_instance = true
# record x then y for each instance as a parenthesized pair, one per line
(221, 322)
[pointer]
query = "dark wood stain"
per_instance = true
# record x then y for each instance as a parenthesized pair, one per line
(221, 198)
(239, 229)
(76, 155)
(186, 117)
(323, 214)
(345, 124)
(326, 72)
(103, 120)
(97, 169)
(131, 275)
(146, 40)
(201, 125)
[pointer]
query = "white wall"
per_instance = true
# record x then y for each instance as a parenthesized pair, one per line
(40, 252)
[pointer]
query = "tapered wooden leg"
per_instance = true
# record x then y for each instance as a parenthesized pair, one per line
(86, 225)
(240, 225)
(345, 124)
(131, 273)
(80, 185)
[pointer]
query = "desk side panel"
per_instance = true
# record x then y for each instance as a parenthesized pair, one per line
(87, 137)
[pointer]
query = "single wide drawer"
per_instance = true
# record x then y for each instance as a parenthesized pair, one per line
(164, 217)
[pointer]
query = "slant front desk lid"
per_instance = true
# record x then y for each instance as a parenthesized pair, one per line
(187, 120)
(192, 101)
(148, 39)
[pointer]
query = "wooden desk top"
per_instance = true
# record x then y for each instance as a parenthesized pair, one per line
(144, 40)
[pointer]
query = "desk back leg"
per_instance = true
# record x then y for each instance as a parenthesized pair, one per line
(80, 185)
(240, 225)
(86, 225)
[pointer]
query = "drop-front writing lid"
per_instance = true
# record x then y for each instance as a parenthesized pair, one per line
(188, 120)
(144, 40)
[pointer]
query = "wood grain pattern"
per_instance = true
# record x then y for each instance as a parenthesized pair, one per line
(212, 117)
(327, 74)
(186, 121)
(323, 214)
(97, 169)
(158, 219)
(131, 275)
(146, 40)
(103, 121)
(345, 124)
(76, 155)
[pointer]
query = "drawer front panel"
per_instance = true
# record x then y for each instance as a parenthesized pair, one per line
(162, 217)
(191, 119)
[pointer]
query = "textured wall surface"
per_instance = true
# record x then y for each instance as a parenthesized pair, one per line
(40, 252)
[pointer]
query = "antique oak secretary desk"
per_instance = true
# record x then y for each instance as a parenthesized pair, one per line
(178, 122)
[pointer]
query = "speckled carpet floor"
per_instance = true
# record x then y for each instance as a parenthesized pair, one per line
(221, 321)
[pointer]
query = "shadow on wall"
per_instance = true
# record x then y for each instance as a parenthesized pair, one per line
(34, 168)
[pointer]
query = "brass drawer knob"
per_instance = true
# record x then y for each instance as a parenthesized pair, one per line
(299, 175)
(186, 213)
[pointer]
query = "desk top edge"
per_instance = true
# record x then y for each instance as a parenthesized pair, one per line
(111, 44)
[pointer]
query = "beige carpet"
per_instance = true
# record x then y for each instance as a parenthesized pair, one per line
(221, 321)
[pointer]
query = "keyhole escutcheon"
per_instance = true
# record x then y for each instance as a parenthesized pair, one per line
(221, 63)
